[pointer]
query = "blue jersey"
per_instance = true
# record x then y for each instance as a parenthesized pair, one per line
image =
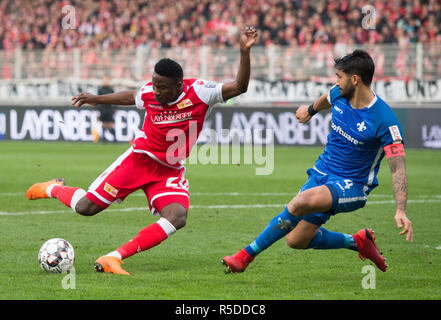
(355, 142)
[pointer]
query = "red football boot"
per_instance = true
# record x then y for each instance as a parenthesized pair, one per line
(367, 248)
(237, 262)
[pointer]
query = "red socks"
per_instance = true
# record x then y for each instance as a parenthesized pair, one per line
(147, 238)
(65, 194)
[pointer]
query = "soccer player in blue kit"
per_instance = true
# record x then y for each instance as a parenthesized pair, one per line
(364, 129)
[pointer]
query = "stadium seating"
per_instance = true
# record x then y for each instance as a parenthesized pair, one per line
(108, 33)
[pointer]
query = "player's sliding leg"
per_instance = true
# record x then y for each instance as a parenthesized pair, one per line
(305, 237)
(317, 198)
(277, 228)
(306, 234)
(173, 217)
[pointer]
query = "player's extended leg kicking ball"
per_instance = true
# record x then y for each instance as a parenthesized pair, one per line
(127, 174)
(364, 130)
(175, 112)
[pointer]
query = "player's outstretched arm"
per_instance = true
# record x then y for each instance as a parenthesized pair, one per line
(305, 113)
(397, 165)
(121, 98)
(240, 84)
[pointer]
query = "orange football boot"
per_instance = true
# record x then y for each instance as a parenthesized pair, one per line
(38, 190)
(109, 264)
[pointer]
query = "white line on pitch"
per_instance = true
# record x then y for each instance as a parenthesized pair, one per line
(141, 194)
(226, 206)
(236, 194)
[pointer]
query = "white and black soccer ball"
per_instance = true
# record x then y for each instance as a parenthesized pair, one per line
(56, 256)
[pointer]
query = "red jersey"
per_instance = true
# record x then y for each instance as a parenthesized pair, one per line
(170, 131)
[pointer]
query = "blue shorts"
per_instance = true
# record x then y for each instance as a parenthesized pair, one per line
(347, 195)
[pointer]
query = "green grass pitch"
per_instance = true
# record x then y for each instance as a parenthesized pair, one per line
(230, 205)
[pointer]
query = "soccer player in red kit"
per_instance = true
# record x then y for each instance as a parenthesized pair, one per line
(175, 110)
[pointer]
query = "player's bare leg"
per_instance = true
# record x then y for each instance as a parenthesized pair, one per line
(86, 207)
(317, 199)
(173, 217)
(301, 236)
(176, 214)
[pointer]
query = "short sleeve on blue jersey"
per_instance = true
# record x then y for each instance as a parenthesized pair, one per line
(389, 130)
(333, 94)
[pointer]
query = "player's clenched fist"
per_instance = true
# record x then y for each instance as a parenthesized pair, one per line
(302, 114)
(83, 98)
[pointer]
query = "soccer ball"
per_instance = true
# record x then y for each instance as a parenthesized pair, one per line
(56, 256)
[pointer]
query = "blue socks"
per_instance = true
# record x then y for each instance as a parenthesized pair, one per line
(278, 227)
(325, 239)
(283, 223)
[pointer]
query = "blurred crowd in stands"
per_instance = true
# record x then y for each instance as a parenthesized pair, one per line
(100, 26)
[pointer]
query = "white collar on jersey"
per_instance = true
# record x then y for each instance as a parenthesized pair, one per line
(179, 98)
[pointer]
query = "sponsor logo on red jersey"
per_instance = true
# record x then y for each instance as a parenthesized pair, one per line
(171, 117)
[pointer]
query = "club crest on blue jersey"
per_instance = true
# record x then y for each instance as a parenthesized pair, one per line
(361, 126)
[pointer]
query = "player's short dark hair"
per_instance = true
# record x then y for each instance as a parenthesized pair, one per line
(170, 69)
(358, 62)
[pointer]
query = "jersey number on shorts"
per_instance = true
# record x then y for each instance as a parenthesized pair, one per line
(177, 183)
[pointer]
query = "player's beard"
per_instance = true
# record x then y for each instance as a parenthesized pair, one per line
(348, 93)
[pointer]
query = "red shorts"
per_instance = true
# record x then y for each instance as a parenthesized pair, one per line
(133, 171)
